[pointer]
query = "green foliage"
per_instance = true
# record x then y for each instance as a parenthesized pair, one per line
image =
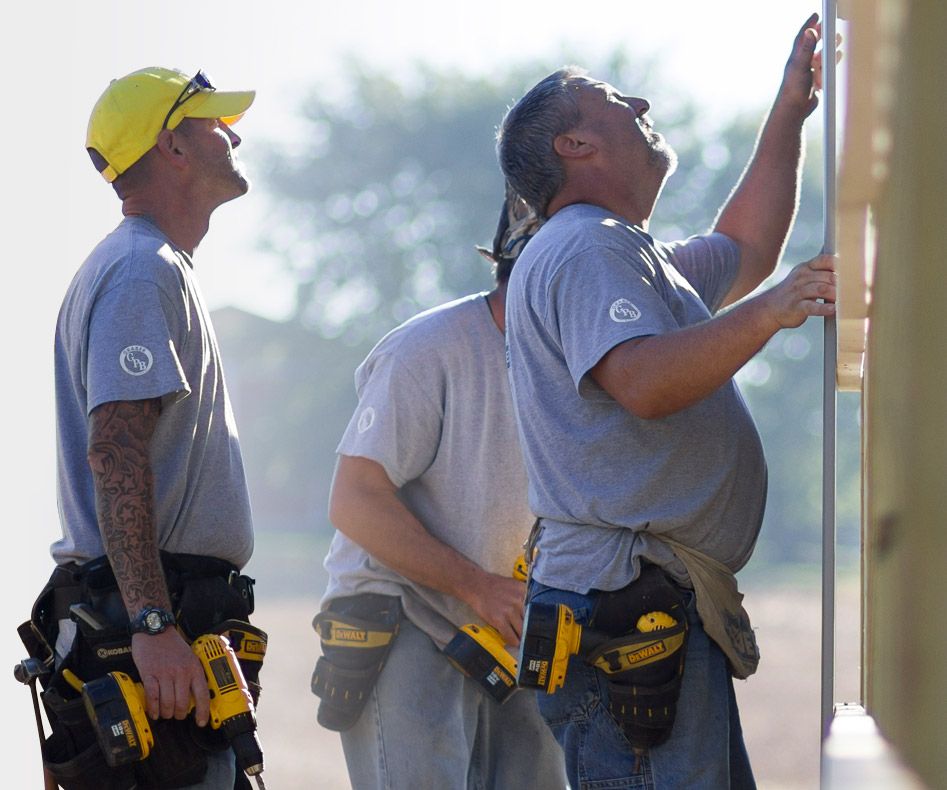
(377, 217)
(387, 207)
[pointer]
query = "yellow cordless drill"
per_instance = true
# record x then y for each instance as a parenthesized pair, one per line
(551, 636)
(116, 706)
(479, 652)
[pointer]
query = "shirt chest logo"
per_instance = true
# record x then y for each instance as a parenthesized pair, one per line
(135, 360)
(622, 310)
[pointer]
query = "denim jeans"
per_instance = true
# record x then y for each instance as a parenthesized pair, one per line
(221, 772)
(705, 750)
(428, 727)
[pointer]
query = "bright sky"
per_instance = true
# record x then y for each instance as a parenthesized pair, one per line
(729, 55)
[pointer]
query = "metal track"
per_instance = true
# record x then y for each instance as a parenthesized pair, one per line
(830, 359)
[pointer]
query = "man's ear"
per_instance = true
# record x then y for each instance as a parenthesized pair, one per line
(170, 149)
(573, 145)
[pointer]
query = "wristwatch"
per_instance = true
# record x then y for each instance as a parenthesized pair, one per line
(151, 620)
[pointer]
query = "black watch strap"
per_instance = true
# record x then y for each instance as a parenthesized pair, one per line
(151, 620)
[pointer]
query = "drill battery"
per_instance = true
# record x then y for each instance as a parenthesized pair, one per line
(550, 637)
(478, 651)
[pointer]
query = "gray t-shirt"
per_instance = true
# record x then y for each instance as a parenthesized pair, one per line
(133, 326)
(434, 410)
(601, 479)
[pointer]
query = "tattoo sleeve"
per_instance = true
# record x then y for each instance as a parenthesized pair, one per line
(119, 439)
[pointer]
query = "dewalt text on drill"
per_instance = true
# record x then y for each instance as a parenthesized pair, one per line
(116, 707)
(480, 653)
(636, 636)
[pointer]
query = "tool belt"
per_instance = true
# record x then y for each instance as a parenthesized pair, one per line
(208, 595)
(643, 660)
(356, 634)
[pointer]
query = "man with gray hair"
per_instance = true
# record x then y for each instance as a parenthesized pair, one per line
(645, 469)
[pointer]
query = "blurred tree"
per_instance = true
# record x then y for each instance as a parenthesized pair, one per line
(377, 216)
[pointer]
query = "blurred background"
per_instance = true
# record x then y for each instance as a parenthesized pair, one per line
(370, 147)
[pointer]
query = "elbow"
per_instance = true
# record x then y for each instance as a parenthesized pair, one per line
(338, 511)
(347, 507)
(652, 412)
(96, 457)
(645, 407)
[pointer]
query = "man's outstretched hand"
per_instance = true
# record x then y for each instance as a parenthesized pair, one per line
(802, 77)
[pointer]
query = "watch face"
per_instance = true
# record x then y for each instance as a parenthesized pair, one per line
(154, 622)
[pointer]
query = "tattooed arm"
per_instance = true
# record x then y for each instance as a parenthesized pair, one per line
(119, 440)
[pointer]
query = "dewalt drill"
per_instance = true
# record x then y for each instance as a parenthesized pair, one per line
(479, 652)
(116, 706)
(551, 636)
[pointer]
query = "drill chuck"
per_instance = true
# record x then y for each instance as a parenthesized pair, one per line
(479, 653)
(241, 732)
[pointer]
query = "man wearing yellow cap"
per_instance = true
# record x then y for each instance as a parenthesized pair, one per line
(153, 498)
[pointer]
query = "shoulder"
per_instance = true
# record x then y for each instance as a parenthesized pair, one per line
(582, 230)
(423, 342)
(584, 244)
(135, 252)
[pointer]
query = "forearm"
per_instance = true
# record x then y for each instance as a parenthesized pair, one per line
(119, 438)
(760, 211)
(364, 506)
(367, 510)
(761, 208)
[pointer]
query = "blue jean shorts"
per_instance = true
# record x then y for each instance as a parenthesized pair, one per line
(706, 748)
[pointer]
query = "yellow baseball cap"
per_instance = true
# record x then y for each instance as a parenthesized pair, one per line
(128, 116)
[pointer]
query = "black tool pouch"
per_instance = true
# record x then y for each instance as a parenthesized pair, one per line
(356, 634)
(71, 754)
(208, 596)
(644, 661)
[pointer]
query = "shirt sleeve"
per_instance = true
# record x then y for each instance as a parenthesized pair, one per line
(135, 334)
(596, 301)
(398, 419)
(709, 263)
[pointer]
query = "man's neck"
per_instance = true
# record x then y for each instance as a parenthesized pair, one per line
(184, 229)
(629, 214)
(632, 202)
(496, 301)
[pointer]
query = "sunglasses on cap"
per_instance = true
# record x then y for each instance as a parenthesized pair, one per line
(199, 82)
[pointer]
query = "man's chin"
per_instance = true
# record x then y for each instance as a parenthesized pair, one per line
(240, 187)
(664, 158)
(241, 183)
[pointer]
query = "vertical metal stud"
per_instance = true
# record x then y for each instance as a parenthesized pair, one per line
(829, 390)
